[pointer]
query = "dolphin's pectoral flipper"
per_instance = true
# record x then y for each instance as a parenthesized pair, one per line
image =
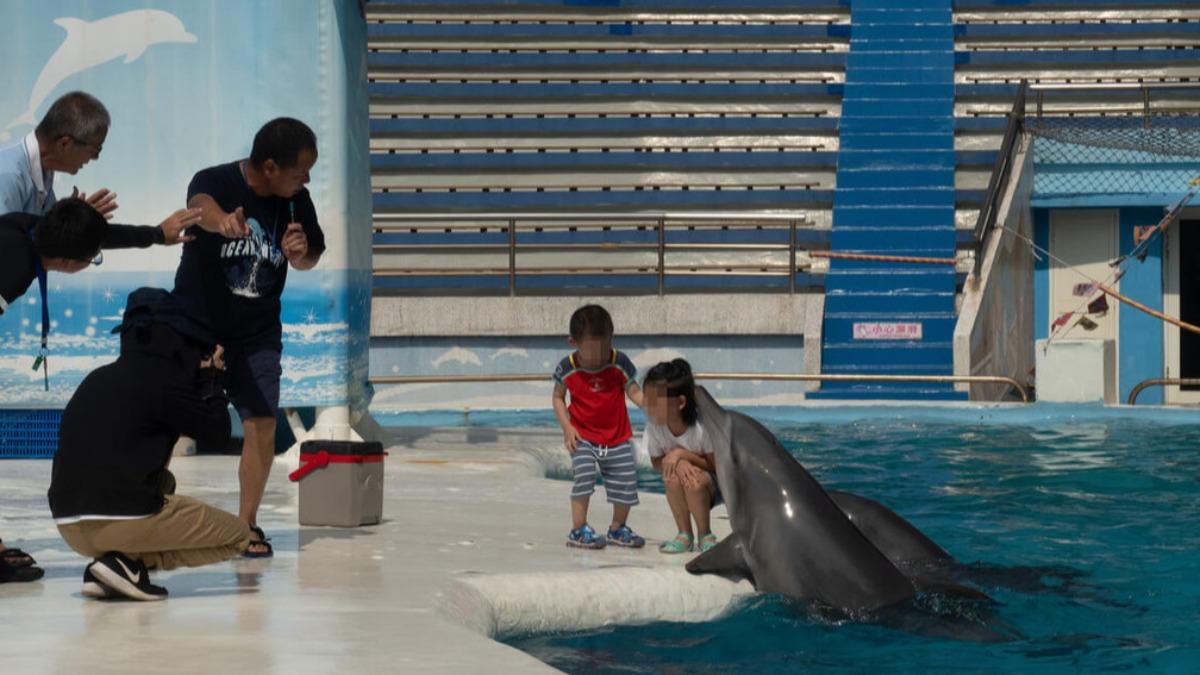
(135, 52)
(725, 560)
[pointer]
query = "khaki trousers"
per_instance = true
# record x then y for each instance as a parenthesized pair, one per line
(185, 533)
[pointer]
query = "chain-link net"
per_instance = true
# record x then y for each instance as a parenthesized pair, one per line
(1160, 134)
(1080, 156)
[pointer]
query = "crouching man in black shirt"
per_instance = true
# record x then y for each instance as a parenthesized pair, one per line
(118, 430)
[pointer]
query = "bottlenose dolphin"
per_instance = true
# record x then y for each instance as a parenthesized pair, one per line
(90, 43)
(903, 544)
(789, 536)
(918, 556)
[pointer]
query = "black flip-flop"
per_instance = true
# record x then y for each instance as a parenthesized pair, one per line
(263, 541)
(8, 573)
(15, 557)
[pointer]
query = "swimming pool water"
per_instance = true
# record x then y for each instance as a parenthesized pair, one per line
(1111, 501)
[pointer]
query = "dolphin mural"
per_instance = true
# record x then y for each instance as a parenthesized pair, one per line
(91, 43)
(792, 538)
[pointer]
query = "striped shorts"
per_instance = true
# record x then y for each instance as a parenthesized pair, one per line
(616, 467)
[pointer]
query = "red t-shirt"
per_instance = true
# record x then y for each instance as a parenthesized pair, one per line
(597, 403)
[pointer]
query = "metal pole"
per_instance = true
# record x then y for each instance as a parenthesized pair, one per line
(1160, 382)
(512, 257)
(792, 257)
(662, 257)
(999, 179)
(773, 377)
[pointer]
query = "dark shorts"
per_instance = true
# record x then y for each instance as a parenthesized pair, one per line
(252, 380)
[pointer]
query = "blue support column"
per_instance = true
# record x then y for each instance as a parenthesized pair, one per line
(895, 196)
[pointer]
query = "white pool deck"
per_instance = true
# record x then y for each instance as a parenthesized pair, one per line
(472, 545)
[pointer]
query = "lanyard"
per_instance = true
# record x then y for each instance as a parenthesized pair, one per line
(40, 361)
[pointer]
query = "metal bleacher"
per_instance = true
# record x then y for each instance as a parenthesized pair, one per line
(484, 111)
(491, 117)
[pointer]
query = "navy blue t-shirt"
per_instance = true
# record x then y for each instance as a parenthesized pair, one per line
(236, 283)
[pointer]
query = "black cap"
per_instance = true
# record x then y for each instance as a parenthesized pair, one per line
(154, 305)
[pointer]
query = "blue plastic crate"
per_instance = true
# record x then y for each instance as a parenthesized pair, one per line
(29, 434)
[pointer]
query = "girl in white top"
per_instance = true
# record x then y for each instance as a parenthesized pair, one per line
(675, 440)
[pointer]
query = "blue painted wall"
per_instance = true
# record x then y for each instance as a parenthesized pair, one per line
(540, 355)
(1140, 354)
(1041, 275)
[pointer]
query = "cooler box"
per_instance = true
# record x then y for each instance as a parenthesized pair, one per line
(341, 483)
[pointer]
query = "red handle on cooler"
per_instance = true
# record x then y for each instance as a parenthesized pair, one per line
(310, 462)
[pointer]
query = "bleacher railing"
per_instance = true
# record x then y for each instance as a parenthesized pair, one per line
(1019, 388)
(986, 222)
(721, 256)
(1118, 98)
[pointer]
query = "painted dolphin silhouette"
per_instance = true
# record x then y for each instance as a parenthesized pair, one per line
(91, 43)
(791, 537)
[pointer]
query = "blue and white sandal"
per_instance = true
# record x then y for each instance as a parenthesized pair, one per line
(584, 537)
(623, 536)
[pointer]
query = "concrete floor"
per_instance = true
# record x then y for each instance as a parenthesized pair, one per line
(471, 546)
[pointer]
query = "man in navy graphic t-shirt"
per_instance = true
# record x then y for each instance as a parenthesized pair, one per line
(258, 219)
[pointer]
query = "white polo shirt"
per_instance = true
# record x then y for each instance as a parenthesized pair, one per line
(24, 186)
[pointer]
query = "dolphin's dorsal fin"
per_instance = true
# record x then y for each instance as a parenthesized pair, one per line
(710, 410)
(70, 24)
(725, 560)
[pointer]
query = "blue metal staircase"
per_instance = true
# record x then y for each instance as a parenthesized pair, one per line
(895, 196)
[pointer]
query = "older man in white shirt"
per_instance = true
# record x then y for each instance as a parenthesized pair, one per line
(70, 135)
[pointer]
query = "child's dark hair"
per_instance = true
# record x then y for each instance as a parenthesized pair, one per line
(676, 377)
(591, 321)
(71, 229)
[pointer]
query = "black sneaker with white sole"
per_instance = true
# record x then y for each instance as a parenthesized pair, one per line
(92, 588)
(125, 577)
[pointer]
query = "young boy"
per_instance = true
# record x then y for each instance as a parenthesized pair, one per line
(596, 427)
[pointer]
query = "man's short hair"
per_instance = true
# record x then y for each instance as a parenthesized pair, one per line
(282, 139)
(591, 321)
(77, 115)
(71, 229)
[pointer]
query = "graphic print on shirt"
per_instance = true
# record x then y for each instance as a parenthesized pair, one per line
(251, 264)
